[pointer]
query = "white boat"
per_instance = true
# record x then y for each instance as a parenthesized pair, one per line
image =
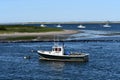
(106, 25)
(59, 26)
(81, 26)
(42, 25)
(58, 53)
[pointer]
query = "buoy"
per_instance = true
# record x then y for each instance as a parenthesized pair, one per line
(27, 57)
(32, 50)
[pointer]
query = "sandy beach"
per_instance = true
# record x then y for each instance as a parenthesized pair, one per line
(64, 32)
(39, 34)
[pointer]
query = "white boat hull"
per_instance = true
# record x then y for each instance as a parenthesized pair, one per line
(77, 57)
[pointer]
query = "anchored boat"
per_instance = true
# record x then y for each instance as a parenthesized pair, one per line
(42, 25)
(59, 26)
(81, 26)
(58, 53)
(106, 25)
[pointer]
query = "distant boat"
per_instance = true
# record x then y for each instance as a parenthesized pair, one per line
(58, 26)
(106, 25)
(81, 26)
(42, 25)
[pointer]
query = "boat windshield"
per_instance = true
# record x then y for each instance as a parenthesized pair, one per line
(56, 49)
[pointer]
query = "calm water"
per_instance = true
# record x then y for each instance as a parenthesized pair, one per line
(99, 27)
(92, 31)
(104, 59)
(104, 62)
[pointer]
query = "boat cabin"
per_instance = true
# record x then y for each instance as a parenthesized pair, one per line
(57, 50)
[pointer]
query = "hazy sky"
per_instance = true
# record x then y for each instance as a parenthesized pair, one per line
(59, 10)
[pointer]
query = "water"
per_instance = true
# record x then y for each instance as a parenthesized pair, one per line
(104, 59)
(92, 31)
(98, 27)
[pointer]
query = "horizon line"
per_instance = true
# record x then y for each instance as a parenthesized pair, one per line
(61, 22)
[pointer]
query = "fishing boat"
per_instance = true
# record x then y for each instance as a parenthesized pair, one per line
(81, 26)
(59, 53)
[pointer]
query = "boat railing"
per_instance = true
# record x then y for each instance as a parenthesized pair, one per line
(73, 53)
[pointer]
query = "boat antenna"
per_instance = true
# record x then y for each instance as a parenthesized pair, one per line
(55, 40)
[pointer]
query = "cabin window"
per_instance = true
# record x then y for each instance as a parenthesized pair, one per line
(57, 49)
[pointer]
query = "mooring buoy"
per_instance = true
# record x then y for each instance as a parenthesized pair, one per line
(27, 57)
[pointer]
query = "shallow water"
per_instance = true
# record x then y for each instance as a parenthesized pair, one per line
(92, 34)
(104, 61)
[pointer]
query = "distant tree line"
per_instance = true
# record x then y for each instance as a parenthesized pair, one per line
(26, 28)
(3, 28)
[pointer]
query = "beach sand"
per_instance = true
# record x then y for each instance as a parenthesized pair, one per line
(39, 35)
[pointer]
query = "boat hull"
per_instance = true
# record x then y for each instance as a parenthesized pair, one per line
(79, 58)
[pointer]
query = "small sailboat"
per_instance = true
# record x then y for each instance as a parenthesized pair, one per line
(81, 26)
(59, 53)
(106, 25)
(42, 25)
(59, 26)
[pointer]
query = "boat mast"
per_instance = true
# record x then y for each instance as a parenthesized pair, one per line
(55, 41)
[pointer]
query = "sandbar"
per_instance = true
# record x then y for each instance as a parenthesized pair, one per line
(64, 32)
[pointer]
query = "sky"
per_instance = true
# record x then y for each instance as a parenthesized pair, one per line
(12, 11)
